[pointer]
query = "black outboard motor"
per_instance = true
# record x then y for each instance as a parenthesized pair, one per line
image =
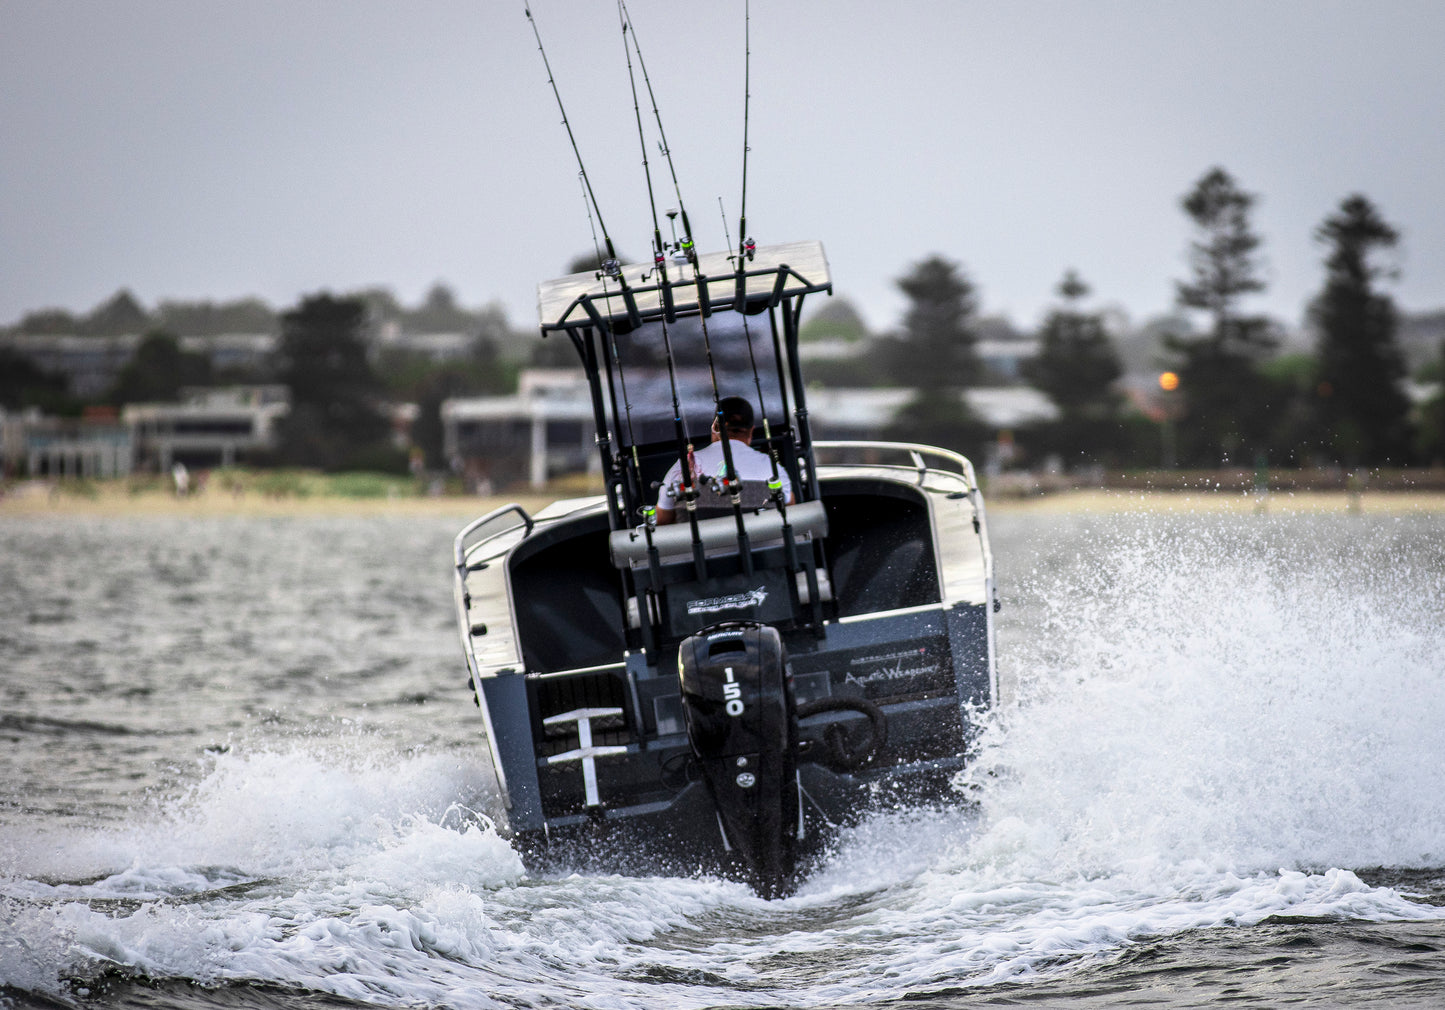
(743, 725)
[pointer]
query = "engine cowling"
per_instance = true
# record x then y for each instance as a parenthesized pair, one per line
(742, 722)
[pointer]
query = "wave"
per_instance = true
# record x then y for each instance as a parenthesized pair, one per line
(1209, 730)
(1221, 701)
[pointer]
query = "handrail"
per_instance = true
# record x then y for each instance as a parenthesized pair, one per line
(460, 544)
(916, 451)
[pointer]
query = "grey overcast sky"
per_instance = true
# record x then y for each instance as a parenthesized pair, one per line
(280, 147)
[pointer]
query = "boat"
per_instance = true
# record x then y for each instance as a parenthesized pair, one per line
(722, 694)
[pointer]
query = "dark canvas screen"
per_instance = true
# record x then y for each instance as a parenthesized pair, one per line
(643, 357)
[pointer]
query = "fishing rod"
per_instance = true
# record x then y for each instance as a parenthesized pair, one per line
(775, 483)
(686, 246)
(659, 261)
(611, 266)
(730, 475)
(746, 247)
(731, 482)
(610, 339)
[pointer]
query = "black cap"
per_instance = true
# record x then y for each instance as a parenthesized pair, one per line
(737, 413)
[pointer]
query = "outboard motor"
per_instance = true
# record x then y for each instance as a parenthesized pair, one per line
(743, 726)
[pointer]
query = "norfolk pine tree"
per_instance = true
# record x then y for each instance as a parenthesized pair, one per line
(935, 356)
(1076, 368)
(1226, 400)
(1077, 365)
(1361, 400)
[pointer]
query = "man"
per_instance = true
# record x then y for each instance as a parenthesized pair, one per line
(751, 465)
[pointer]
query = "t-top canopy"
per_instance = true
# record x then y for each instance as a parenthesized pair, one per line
(560, 302)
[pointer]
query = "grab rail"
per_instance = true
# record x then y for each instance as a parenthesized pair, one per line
(460, 544)
(916, 452)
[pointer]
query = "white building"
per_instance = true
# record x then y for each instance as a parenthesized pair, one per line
(546, 429)
(1004, 358)
(91, 447)
(212, 427)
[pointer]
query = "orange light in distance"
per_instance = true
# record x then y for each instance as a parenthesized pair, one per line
(1168, 381)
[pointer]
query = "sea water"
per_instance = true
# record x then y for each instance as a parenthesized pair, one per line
(239, 766)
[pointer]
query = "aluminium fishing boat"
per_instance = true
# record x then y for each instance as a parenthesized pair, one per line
(724, 692)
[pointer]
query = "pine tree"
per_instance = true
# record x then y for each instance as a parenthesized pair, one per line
(1226, 400)
(336, 420)
(120, 315)
(440, 313)
(1361, 400)
(1076, 365)
(159, 370)
(935, 356)
(936, 349)
(1222, 261)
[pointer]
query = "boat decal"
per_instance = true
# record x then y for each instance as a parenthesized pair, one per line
(890, 666)
(733, 693)
(735, 601)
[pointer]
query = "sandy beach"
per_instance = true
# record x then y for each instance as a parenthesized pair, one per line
(117, 499)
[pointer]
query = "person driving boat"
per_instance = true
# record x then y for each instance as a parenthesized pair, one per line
(709, 464)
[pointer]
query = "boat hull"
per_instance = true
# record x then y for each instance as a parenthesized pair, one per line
(588, 729)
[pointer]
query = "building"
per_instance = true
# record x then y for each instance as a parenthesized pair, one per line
(244, 353)
(90, 447)
(435, 347)
(1003, 358)
(211, 427)
(542, 431)
(91, 365)
(546, 429)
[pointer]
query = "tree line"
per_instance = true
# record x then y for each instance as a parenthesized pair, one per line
(123, 314)
(328, 353)
(1234, 399)
(1230, 398)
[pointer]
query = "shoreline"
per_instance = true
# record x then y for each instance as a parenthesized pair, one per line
(39, 500)
(108, 501)
(1096, 501)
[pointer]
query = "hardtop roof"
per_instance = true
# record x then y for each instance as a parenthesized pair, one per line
(559, 302)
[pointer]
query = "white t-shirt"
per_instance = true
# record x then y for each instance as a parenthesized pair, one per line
(749, 463)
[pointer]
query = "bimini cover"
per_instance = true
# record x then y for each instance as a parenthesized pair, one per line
(803, 265)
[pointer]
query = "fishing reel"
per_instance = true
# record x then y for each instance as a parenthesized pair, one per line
(682, 249)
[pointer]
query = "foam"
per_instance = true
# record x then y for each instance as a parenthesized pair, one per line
(1209, 729)
(1208, 704)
